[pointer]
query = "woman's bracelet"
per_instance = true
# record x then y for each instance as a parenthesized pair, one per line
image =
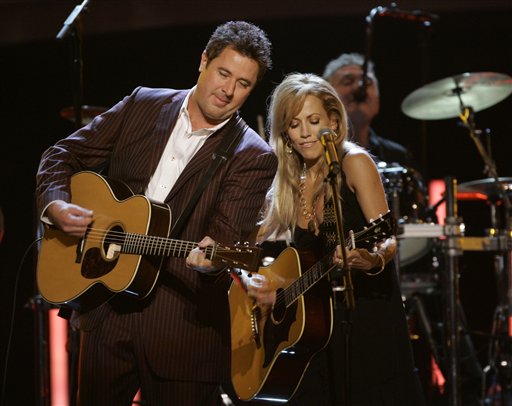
(381, 268)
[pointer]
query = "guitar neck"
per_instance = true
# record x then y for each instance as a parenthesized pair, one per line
(238, 255)
(298, 287)
(374, 232)
(141, 244)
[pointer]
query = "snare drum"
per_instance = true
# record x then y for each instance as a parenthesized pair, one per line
(407, 198)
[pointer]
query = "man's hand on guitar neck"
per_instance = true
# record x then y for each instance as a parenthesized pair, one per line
(68, 217)
(197, 260)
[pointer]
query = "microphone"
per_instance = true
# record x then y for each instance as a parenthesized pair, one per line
(360, 94)
(421, 16)
(326, 136)
(73, 16)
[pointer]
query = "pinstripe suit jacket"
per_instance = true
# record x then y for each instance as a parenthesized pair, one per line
(186, 318)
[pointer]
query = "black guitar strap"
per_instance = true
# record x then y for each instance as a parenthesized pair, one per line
(221, 154)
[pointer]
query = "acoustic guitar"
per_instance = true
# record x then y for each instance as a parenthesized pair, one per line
(122, 250)
(271, 347)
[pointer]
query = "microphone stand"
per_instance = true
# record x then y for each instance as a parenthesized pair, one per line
(72, 27)
(360, 94)
(343, 283)
(344, 272)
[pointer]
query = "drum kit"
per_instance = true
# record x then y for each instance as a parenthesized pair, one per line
(420, 236)
(457, 96)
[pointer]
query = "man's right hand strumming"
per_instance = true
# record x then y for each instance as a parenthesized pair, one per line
(69, 218)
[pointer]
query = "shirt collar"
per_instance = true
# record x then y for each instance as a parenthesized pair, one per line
(202, 131)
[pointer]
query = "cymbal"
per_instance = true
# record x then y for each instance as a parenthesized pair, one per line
(488, 187)
(439, 100)
(88, 113)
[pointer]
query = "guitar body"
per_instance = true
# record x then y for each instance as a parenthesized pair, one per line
(80, 272)
(272, 347)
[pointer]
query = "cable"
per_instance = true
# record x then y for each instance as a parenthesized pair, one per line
(11, 324)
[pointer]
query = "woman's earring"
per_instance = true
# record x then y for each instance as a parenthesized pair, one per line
(288, 147)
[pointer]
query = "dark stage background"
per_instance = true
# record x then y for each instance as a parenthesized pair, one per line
(122, 49)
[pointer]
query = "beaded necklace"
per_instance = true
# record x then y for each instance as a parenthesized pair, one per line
(309, 215)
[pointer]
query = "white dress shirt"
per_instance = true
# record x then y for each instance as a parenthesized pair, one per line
(180, 149)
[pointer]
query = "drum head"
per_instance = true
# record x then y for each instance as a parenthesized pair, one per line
(406, 194)
(405, 191)
(411, 250)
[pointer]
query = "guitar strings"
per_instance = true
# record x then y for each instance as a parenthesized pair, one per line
(281, 296)
(98, 235)
(136, 243)
(134, 239)
(299, 286)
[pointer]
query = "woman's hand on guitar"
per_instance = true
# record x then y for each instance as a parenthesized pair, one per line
(258, 287)
(363, 259)
(69, 218)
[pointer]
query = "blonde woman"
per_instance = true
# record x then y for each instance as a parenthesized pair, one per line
(300, 212)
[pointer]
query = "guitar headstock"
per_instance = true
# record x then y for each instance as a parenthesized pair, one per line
(374, 232)
(237, 256)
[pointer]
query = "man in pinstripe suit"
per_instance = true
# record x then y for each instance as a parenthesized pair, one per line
(174, 344)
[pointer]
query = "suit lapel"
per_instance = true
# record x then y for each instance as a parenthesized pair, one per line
(163, 129)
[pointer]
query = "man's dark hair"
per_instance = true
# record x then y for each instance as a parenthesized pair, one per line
(245, 38)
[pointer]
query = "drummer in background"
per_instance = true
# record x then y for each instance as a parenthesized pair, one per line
(345, 74)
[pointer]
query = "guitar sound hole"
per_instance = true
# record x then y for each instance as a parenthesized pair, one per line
(99, 262)
(277, 330)
(94, 266)
(113, 242)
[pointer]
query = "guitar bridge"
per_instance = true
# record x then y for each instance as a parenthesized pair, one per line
(255, 317)
(80, 250)
(80, 246)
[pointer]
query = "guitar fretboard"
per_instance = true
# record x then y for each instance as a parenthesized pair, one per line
(307, 280)
(142, 244)
(376, 231)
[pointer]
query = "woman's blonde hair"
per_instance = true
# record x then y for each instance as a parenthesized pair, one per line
(286, 102)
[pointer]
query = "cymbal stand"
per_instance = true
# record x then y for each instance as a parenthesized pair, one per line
(501, 358)
(451, 294)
